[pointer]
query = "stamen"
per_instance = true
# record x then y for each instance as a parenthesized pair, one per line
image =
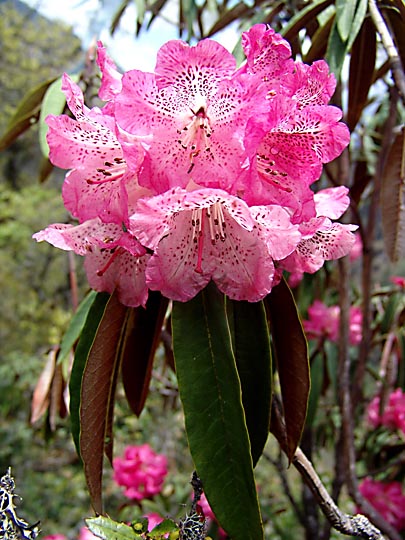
(115, 252)
(111, 172)
(264, 166)
(197, 222)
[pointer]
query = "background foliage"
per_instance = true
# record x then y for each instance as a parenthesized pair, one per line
(38, 293)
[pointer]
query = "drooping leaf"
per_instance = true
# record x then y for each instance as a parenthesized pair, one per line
(118, 15)
(107, 529)
(359, 18)
(75, 328)
(251, 345)
(362, 63)
(92, 385)
(215, 422)
(142, 334)
(53, 102)
(87, 337)
(97, 396)
(291, 353)
(236, 12)
(396, 19)
(336, 51)
(303, 17)
(26, 115)
(345, 10)
(40, 398)
(393, 199)
(319, 42)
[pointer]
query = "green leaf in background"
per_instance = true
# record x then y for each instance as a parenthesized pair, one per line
(107, 529)
(162, 528)
(339, 47)
(251, 345)
(75, 328)
(215, 421)
(291, 353)
(345, 10)
(26, 114)
(54, 102)
(303, 17)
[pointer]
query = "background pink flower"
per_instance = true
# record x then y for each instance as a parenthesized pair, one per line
(387, 498)
(398, 280)
(393, 415)
(141, 471)
(86, 534)
(323, 322)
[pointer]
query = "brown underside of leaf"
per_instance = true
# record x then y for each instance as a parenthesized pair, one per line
(97, 396)
(393, 199)
(362, 63)
(142, 336)
(291, 354)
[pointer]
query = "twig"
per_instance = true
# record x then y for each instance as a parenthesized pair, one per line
(389, 46)
(357, 525)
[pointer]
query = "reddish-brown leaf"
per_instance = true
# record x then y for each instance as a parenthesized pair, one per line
(319, 42)
(393, 199)
(291, 353)
(362, 63)
(142, 335)
(97, 395)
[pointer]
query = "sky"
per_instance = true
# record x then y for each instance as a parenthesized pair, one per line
(91, 19)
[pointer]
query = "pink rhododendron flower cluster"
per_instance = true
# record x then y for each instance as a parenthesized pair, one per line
(202, 171)
(387, 498)
(393, 415)
(324, 321)
(141, 471)
(398, 280)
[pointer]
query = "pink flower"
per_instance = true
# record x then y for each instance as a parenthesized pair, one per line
(207, 234)
(398, 280)
(210, 516)
(114, 259)
(190, 115)
(99, 183)
(387, 498)
(393, 415)
(86, 534)
(141, 471)
(357, 248)
(322, 239)
(323, 322)
(153, 519)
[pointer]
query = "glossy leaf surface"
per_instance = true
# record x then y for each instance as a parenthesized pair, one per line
(215, 421)
(251, 344)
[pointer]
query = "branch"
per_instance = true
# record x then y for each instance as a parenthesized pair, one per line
(389, 46)
(357, 525)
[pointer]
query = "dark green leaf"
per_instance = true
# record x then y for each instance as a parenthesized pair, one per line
(142, 335)
(317, 371)
(107, 529)
(303, 17)
(251, 344)
(215, 422)
(393, 199)
(319, 42)
(291, 352)
(75, 327)
(26, 115)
